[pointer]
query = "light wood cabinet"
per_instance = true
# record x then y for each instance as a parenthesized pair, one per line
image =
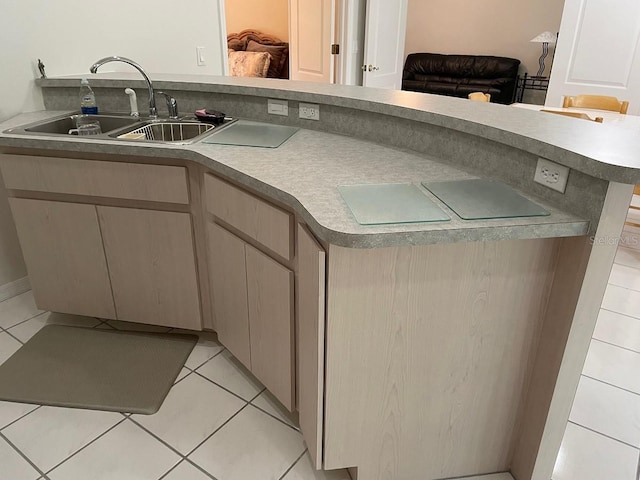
(252, 298)
(310, 288)
(65, 259)
(252, 293)
(228, 281)
(270, 299)
(152, 266)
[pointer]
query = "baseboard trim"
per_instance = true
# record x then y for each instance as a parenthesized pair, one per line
(14, 288)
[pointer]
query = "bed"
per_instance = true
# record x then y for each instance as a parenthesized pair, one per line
(256, 54)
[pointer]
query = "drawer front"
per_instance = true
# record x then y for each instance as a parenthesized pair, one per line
(265, 223)
(133, 181)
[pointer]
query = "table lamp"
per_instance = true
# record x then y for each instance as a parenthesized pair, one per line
(545, 38)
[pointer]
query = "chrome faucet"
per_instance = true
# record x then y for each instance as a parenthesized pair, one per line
(153, 111)
(172, 105)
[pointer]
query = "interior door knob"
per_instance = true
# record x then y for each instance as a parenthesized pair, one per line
(372, 68)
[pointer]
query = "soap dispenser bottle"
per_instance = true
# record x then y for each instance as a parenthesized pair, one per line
(87, 99)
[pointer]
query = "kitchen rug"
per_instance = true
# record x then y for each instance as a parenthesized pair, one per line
(98, 369)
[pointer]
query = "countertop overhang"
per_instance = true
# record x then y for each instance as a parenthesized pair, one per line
(303, 174)
(600, 150)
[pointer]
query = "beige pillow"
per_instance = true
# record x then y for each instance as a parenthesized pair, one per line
(249, 64)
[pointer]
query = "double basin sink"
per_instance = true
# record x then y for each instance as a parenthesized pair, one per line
(125, 127)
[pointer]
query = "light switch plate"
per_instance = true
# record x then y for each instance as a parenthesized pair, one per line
(278, 107)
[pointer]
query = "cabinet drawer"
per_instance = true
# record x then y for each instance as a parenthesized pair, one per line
(265, 223)
(133, 181)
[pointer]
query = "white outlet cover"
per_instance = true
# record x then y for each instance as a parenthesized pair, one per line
(551, 175)
(278, 107)
(309, 111)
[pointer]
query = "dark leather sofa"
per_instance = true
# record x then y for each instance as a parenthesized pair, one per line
(460, 75)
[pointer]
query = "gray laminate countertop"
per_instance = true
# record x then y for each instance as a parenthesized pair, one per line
(304, 172)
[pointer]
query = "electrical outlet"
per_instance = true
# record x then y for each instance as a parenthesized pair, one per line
(310, 111)
(278, 107)
(551, 175)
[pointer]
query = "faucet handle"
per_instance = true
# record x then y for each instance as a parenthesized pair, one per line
(172, 105)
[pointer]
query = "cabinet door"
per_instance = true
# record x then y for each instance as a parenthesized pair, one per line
(152, 266)
(63, 251)
(228, 281)
(270, 299)
(310, 290)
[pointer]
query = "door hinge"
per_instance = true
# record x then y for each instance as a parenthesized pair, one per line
(335, 49)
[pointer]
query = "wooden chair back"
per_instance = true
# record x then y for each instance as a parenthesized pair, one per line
(480, 97)
(596, 102)
(583, 116)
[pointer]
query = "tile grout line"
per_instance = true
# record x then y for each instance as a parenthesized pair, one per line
(195, 465)
(42, 474)
(225, 388)
(611, 385)
(614, 345)
(297, 429)
(206, 361)
(604, 435)
(624, 287)
(26, 320)
(214, 432)
(85, 446)
(621, 314)
(14, 337)
(21, 417)
(295, 462)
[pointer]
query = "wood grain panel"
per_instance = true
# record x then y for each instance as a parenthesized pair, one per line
(582, 276)
(263, 222)
(152, 266)
(270, 298)
(65, 259)
(228, 281)
(135, 181)
(310, 290)
(439, 341)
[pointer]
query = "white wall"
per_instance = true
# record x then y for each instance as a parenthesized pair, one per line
(70, 35)
(491, 27)
(267, 16)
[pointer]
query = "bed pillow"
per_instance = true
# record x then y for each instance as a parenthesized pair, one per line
(237, 44)
(279, 54)
(249, 64)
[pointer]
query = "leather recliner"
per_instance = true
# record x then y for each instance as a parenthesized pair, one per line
(460, 75)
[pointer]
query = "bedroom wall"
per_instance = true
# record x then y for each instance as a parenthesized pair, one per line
(268, 16)
(69, 35)
(491, 27)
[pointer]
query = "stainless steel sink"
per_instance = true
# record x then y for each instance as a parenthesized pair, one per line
(61, 126)
(165, 131)
(124, 127)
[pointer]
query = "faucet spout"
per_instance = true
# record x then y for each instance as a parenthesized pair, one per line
(153, 111)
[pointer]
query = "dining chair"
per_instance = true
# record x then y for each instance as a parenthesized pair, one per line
(596, 102)
(630, 223)
(480, 97)
(581, 115)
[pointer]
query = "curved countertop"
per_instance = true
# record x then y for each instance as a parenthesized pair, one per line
(304, 172)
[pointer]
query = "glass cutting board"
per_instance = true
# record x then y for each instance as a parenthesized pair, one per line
(390, 203)
(484, 199)
(251, 134)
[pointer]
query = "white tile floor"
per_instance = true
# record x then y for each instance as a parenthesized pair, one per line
(602, 438)
(218, 422)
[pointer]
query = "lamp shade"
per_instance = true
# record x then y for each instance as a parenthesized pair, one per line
(544, 37)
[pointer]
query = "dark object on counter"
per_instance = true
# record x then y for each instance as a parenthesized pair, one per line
(41, 68)
(210, 116)
(460, 75)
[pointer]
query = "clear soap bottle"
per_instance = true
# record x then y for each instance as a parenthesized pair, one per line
(87, 99)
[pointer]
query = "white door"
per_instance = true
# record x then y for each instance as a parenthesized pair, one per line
(386, 25)
(311, 34)
(598, 52)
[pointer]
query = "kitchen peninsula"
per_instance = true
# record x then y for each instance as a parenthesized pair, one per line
(410, 351)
